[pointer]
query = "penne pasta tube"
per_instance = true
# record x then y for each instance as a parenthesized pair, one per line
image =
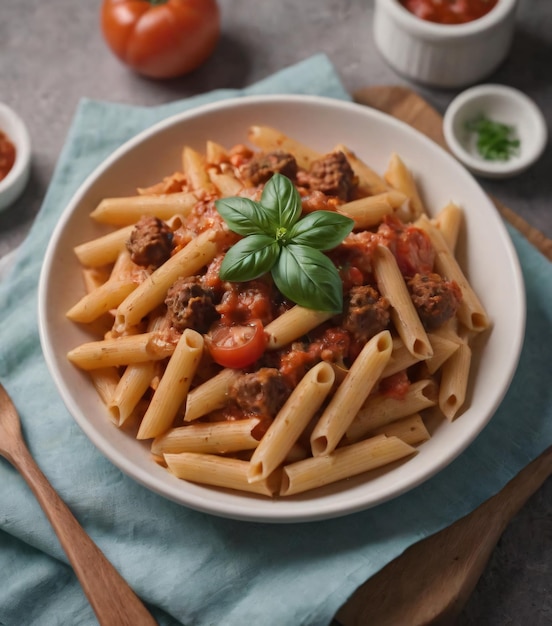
(195, 169)
(351, 393)
(101, 300)
(210, 395)
(411, 430)
(292, 324)
(226, 184)
(399, 177)
(454, 381)
(105, 381)
(291, 421)
(401, 359)
(208, 438)
(448, 222)
(380, 409)
(443, 348)
(269, 139)
(120, 351)
(407, 322)
(173, 386)
(219, 471)
(133, 384)
(152, 291)
(103, 250)
(128, 210)
(369, 182)
(370, 211)
(215, 154)
(343, 463)
(471, 312)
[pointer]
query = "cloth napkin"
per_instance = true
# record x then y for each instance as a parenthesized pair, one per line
(192, 568)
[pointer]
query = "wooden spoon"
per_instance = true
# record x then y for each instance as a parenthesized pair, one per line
(432, 580)
(113, 601)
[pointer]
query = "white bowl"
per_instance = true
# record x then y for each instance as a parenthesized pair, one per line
(485, 251)
(502, 104)
(443, 55)
(14, 183)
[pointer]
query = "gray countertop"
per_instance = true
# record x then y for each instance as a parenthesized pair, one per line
(52, 54)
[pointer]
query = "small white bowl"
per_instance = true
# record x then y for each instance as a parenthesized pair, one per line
(501, 104)
(14, 183)
(443, 55)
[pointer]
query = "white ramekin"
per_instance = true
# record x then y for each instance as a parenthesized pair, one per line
(14, 183)
(443, 55)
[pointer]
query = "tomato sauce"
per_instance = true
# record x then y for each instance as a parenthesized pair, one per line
(7, 155)
(449, 11)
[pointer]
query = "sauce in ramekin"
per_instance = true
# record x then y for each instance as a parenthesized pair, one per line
(449, 11)
(7, 155)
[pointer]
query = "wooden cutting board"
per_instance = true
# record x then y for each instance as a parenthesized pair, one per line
(432, 580)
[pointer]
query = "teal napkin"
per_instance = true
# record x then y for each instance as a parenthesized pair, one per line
(191, 568)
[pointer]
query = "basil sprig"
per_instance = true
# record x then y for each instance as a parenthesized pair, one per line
(276, 240)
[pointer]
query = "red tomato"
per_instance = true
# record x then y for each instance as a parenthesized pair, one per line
(237, 345)
(161, 38)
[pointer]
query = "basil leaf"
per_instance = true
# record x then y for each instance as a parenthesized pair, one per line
(282, 201)
(244, 216)
(308, 277)
(322, 230)
(250, 258)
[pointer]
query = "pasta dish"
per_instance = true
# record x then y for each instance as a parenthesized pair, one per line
(272, 319)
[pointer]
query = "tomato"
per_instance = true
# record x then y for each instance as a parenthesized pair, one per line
(237, 345)
(161, 38)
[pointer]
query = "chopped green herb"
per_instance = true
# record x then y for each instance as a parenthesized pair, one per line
(276, 240)
(495, 141)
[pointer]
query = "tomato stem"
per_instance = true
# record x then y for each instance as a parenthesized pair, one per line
(156, 2)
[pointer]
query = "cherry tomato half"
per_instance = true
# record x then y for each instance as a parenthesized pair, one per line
(161, 38)
(237, 345)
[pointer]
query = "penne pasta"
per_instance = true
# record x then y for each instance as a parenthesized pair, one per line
(120, 351)
(173, 386)
(448, 221)
(105, 249)
(208, 438)
(471, 312)
(454, 381)
(399, 177)
(291, 421)
(210, 469)
(128, 210)
(133, 384)
(381, 409)
(370, 210)
(292, 324)
(351, 393)
(391, 285)
(343, 463)
(210, 395)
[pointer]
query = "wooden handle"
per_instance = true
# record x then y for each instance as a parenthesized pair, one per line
(430, 582)
(113, 601)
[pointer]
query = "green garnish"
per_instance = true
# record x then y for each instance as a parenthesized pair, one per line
(495, 141)
(276, 240)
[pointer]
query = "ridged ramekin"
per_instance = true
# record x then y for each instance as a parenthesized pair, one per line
(443, 55)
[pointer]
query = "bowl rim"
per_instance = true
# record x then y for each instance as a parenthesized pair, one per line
(21, 140)
(494, 168)
(324, 509)
(431, 30)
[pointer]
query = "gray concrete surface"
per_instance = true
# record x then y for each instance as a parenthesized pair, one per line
(52, 54)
